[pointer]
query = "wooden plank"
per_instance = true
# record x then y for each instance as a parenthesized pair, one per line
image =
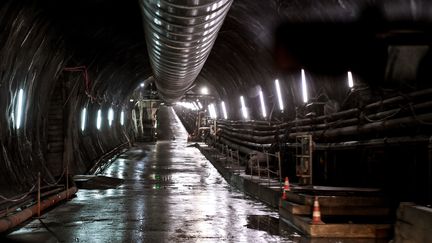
(300, 209)
(355, 211)
(295, 208)
(337, 230)
(337, 201)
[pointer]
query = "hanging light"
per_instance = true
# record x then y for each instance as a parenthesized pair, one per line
(243, 107)
(304, 86)
(263, 108)
(83, 118)
(224, 111)
(279, 95)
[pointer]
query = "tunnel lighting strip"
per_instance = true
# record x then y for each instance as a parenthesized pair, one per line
(195, 106)
(279, 95)
(110, 116)
(212, 111)
(243, 107)
(99, 119)
(83, 118)
(224, 111)
(122, 118)
(263, 107)
(304, 86)
(19, 108)
(187, 105)
(350, 80)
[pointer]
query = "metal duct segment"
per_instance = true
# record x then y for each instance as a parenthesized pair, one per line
(179, 36)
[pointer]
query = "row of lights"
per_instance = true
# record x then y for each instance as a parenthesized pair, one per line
(110, 118)
(279, 97)
(17, 114)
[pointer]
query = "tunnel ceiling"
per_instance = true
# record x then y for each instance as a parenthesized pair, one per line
(108, 37)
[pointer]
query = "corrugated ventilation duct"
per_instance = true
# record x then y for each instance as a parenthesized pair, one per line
(179, 36)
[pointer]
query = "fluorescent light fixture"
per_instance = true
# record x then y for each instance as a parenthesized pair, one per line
(99, 119)
(195, 106)
(131, 100)
(110, 116)
(204, 91)
(304, 86)
(83, 118)
(224, 110)
(19, 108)
(350, 80)
(279, 95)
(212, 111)
(200, 105)
(187, 105)
(263, 108)
(122, 118)
(142, 85)
(243, 107)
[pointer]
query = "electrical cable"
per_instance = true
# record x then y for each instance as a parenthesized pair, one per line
(19, 197)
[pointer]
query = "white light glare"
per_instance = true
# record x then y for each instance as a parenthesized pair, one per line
(200, 105)
(110, 116)
(243, 107)
(212, 111)
(204, 91)
(99, 119)
(83, 118)
(122, 118)
(131, 100)
(224, 110)
(304, 86)
(142, 85)
(195, 106)
(279, 95)
(18, 109)
(263, 108)
(350, 80)
(187, 105)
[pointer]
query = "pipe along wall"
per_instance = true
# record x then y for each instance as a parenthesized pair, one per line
(383, 144)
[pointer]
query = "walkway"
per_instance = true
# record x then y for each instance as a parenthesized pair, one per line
(170, 193)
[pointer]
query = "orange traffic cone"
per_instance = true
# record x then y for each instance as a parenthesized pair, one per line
(316, 215)
(285, 189)
(286, 186)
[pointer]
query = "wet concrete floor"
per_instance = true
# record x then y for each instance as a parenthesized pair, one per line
(170, 193)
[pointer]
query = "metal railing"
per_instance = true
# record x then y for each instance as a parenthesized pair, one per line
(231, 157)
(267, 169)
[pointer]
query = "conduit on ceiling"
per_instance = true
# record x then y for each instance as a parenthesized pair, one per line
(179, 36)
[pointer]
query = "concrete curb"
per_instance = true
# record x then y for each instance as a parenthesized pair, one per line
(260, 192)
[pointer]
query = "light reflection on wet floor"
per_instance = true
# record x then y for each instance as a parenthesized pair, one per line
(171, 193)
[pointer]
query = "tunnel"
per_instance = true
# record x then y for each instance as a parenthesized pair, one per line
(215, 121)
